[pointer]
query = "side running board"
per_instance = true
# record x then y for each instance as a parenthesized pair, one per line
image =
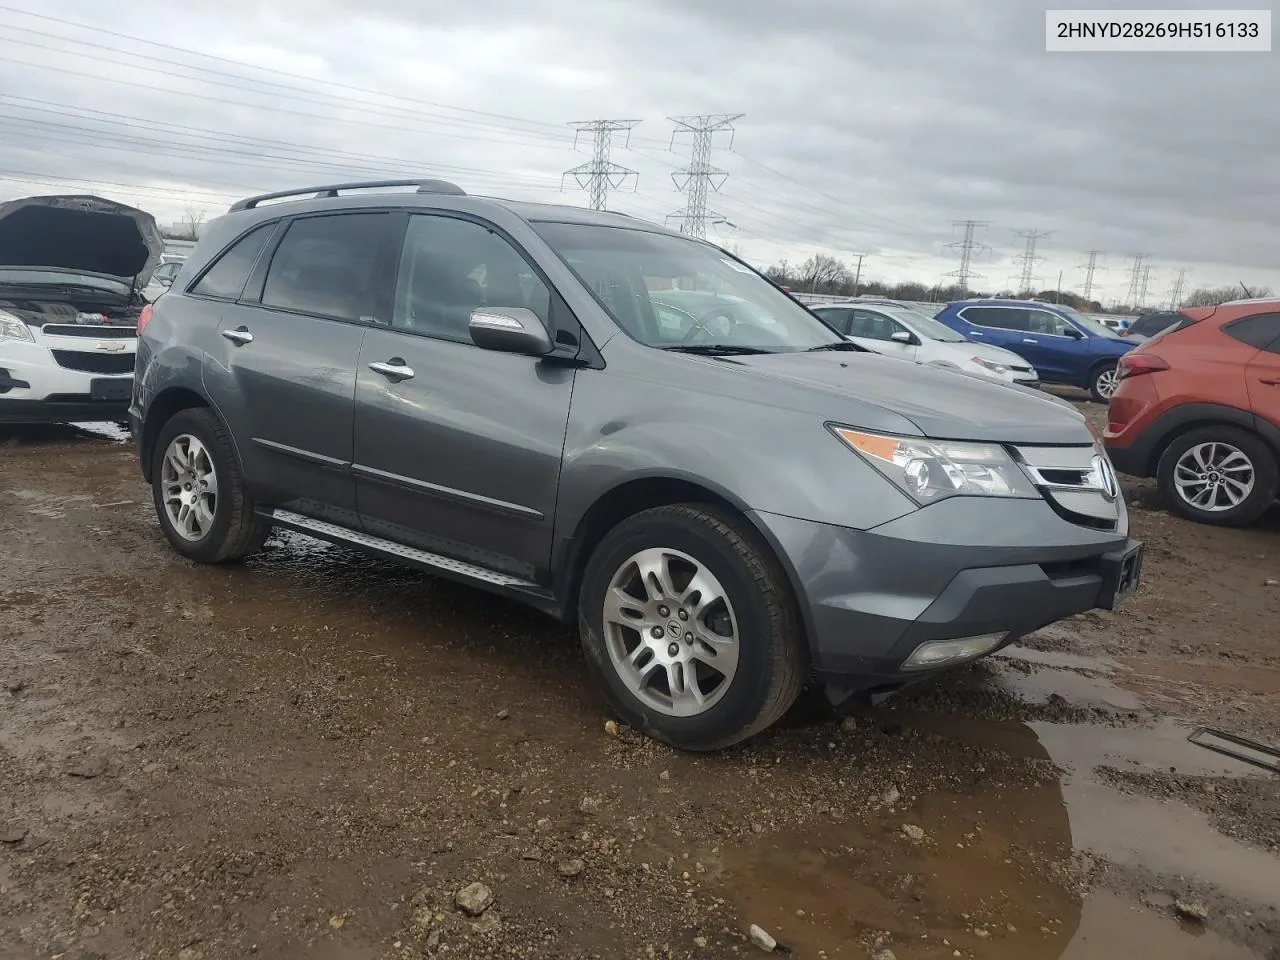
(505, 583)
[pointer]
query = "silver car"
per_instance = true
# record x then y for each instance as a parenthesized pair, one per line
(726, 505)
(897, 330)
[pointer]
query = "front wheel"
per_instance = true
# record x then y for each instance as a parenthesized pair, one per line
(691, 628)
(1103, 382)
(199, 493)
(1219, 474)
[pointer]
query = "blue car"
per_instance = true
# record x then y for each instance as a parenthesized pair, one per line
(1062, 344)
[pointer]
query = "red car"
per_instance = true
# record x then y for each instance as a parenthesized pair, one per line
(1198, 407)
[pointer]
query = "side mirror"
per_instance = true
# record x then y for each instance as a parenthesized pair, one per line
(1072, 333)
(902, 336)
(165, 281)
(509, 330)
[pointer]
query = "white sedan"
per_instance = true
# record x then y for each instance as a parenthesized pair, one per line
(895, 330)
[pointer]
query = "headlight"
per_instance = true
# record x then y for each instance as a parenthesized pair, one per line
(931, 470)
(990, 365)
(12, 328)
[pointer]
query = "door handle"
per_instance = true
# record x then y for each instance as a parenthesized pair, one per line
(975, 334)
(1029, 340)
(394, 369)
(1274, 382)
(239, 336)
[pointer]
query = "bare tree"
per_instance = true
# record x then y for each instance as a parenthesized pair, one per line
(1212, 296)
(191, 224)
(822, 271)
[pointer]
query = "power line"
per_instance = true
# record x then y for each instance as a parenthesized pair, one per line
(1089, 269)
(1175, 294)
(699, 177)
(1135, 277)
(967, 247)
(599, 174)
(1029, 258)
(553, 130)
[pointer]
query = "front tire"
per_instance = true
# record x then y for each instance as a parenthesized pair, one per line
(199, 492)
(1103, 381)
(691, 628)
(1218, 475)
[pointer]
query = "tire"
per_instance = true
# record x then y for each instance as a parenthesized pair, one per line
(235, 530)
(771, 658)
(1102, 382)
(1179, 460)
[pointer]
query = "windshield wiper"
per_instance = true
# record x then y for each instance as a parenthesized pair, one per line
(838, 345)
(715, 349)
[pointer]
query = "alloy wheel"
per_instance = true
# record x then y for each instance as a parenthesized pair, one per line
(671, 632)
(190, 487)
(1214, 476)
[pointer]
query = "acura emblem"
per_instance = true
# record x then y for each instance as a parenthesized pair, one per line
(1102, 478)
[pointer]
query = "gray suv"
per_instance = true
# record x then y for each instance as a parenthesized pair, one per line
(730, 501)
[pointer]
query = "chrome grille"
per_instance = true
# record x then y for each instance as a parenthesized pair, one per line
(1078, 481)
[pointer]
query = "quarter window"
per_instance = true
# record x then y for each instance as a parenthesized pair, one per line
(328, 266)
(450, 267)
(229, 273)
(1262, 330)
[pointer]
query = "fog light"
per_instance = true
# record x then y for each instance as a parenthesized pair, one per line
(937, 652)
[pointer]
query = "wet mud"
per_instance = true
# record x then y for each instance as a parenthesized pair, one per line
(309, 754)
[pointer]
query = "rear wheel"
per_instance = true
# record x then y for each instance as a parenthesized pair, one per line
(1103, 382)
(199, 493)
(691, 628)
(1219, 474)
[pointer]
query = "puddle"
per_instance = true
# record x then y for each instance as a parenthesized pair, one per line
(970, 880)
(1112, 927)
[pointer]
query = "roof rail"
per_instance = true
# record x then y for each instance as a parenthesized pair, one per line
(332, 190)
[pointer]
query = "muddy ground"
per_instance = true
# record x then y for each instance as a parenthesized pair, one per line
(309, 755)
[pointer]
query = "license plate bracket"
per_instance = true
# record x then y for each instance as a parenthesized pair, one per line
(1121, 575)
(111, 388)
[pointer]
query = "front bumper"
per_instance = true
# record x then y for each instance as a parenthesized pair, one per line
(34, 388)
(950, 571)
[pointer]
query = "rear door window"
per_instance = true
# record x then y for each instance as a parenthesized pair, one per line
(329, 267)
(1001, 318)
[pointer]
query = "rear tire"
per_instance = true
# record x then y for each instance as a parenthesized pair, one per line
(1244, 467)
(195, 466)
(1103, 382)
(732, 688)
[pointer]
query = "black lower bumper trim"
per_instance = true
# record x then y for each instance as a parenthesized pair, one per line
(62, 411)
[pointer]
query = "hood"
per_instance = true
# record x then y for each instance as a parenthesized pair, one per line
(943, 404)
(81, 233)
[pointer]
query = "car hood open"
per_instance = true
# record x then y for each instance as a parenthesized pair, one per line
(82, 233)
(943, 404)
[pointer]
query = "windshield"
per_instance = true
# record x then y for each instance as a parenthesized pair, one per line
(924, 325)
(672, 292)
(34, 276)
(1095, 327)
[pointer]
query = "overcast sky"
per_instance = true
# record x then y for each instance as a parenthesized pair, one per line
(867, 127)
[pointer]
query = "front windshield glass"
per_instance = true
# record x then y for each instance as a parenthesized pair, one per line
(924, 325)
(672, 292)
(38, 277)
(1095, 327)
